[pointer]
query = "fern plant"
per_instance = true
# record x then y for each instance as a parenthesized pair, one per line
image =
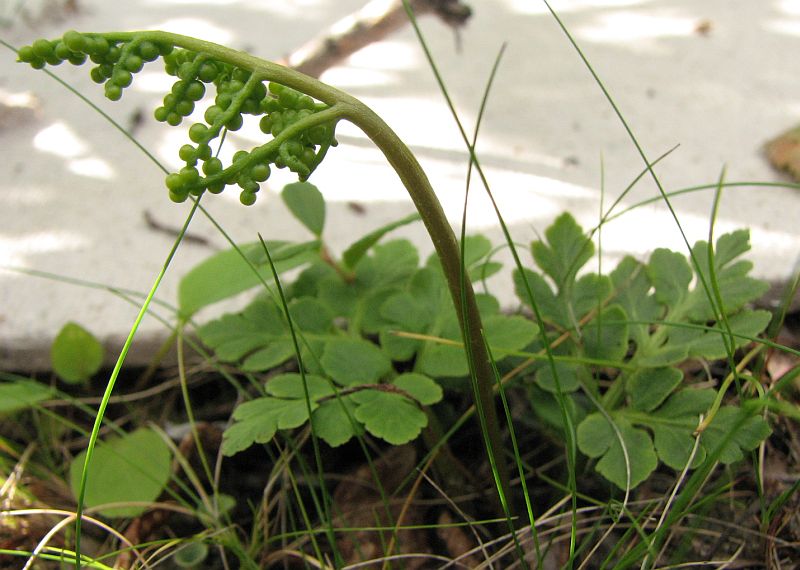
(636, 329)
(381, 342)
(299, 114)
(617, 339)
(361, 321)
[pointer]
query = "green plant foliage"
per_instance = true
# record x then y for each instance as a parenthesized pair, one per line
(226, 274)
(560, 258)
(504, 333)
(567, 249)
(258, 420)
(643, 320)
(131, 468)
(598, 439)
(389, 293)
(350, 327)
(191, 555)
(403, 424)
(367, 321)
(352, 361)
(356, 251)
(306, 203)
(649, 387)
(566, 376)
(391, 262)
(338, 412)
(257, 338)
(736, 287)
(299, 115)
(673, 428)
(21, 394)
(76, 355)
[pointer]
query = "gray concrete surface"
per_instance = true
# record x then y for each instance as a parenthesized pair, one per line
(716, 77)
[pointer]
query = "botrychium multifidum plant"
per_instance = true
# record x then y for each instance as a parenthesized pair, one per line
(300, 114)
(615, 343)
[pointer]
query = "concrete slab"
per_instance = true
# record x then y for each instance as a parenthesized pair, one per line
(716, 77)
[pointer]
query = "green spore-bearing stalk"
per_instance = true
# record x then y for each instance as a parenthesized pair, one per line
(299, 112)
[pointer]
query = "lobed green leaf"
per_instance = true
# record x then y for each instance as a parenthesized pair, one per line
(389, 416)
(390, 264)
(564, 253)
(504, 334)
(735, 287)
(606, 336)
(334, 421)
(258, 420)
(649, 387)
(725, 432)
(422, 388)
(568, 377)
(671, 275)
(674, 445)
(311, 315)
(290, 386)
(588, 294)
(632, 292)
(550, 308)
(546, 406)
(711, 344)
(352, 361)
(233, 336)
(597, 438)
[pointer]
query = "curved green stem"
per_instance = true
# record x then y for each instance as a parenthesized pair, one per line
(413, 178)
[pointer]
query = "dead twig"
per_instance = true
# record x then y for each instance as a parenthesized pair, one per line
(372, 23)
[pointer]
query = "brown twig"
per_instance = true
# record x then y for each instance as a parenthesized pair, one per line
(372, 23)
